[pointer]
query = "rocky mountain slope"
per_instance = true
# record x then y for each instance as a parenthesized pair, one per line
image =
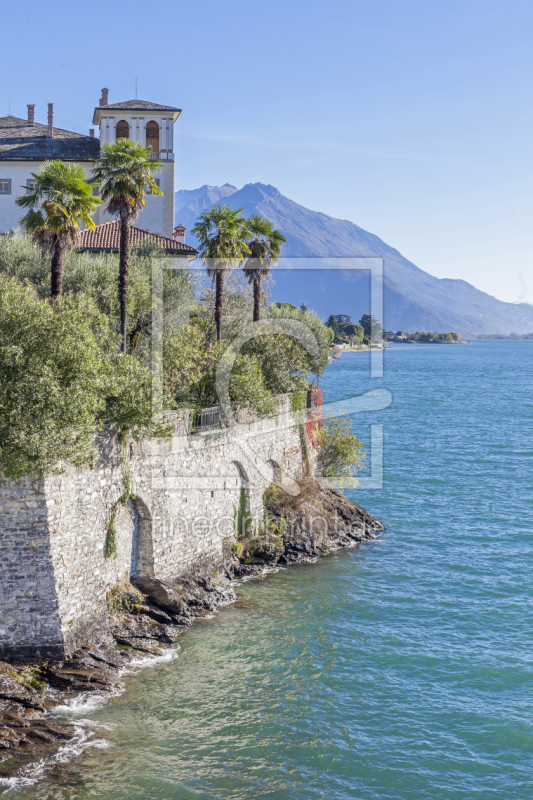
(413, 299)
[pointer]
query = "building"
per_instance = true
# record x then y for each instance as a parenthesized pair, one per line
(152, 125)
(105, 238)
(25, 144)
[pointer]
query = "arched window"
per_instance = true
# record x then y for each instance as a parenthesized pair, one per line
(123, 130)
(152, 136)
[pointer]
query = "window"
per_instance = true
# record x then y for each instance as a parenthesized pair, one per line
(152, 136)
(31, 185)
(96, 191)
(157, 181)
(122, 130)
(5, 186)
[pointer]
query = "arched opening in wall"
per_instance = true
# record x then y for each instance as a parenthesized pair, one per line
(142, 548)
(152, 137)
(122, 130)
(242, 477)
(276, 471)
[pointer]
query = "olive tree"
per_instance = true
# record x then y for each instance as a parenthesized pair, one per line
(61, 380)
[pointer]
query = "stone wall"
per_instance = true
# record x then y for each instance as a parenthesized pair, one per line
(54, 572)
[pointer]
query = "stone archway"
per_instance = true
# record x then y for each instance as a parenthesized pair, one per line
(142, 549)
(152, 136)
(276, 471)
(242, 475)
(122, 131)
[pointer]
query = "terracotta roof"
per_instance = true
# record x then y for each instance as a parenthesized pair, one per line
(105, 238)
(20, 141)
(139, 105)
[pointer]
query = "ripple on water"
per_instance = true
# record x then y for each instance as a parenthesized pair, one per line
(398, 670)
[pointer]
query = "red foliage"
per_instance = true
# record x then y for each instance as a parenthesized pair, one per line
(314, 417)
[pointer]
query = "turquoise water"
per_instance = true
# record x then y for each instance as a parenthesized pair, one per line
(401, 670)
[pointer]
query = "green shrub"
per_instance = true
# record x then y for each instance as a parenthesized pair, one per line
(97, 277)
(124, 599)
(61, 379)
(341, 452)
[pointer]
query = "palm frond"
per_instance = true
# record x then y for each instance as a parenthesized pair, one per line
(124, 173)
(60, 203)
(222, 233)
(265, 245)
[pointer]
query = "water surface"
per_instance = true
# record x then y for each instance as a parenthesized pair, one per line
(400, 670)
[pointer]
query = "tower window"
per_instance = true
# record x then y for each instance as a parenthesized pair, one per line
(5, 186)
(152, 136)
(123, 130)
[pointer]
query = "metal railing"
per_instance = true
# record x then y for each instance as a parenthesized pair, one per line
(206, 419)
(197, 420)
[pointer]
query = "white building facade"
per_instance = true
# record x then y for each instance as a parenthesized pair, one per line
(153, 126)
(25, 145)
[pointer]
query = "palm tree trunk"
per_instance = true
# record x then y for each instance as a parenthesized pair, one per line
(219, 301)
(257, 296)
(57, 271)
(123, 277)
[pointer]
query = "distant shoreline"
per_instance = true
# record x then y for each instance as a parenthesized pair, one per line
(366, 349)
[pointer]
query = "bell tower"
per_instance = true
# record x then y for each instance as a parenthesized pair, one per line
(152, 125)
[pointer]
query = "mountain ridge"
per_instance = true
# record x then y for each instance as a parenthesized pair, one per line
(413, 299)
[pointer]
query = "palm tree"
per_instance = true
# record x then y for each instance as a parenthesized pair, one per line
(222, 234)
(124, 172)
(264, 247)
(61, 202)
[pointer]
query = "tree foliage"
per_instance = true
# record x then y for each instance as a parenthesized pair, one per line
(355, 331)
(67, 353)
(341, 452)
(265, 244)
(369, 328)
(59, 205)
(317, 364)
(125, 172)
(97, 276)
(61, 380)
(373, 329)
(222, 236)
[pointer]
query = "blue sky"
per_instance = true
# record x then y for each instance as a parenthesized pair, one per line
(412, 118)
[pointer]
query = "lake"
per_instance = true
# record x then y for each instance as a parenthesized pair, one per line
(399, 670)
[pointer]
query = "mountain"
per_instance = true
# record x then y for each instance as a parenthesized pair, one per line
(207, 194)
(413, 299)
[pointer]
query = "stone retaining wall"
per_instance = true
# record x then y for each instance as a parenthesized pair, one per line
(54, 572)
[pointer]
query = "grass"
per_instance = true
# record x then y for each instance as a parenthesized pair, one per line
(123, 598)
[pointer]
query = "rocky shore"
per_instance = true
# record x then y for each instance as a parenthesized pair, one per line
(150, 617)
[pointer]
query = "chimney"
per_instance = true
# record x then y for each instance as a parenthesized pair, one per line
(91, 133)
(104, 100)
(50, 131)
(179, 233)
(31, 113)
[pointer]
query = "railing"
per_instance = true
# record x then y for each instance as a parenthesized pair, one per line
(154, 154)
(197, 420)
(206, 419)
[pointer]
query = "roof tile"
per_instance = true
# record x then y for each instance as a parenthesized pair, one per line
(106, 238)
(20, 141)
(138, 105)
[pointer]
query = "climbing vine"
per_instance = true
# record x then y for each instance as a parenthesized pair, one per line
(111, 531)
(127, 485)
(242, 518)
